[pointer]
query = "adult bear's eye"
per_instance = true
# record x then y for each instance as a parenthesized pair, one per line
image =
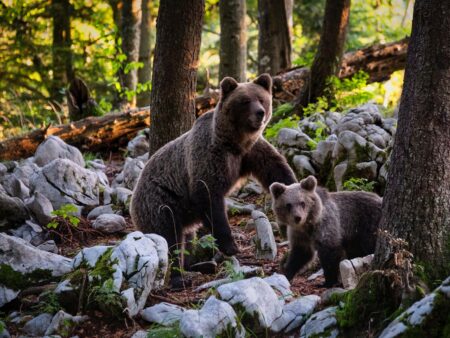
(288, 206)
(302, 204)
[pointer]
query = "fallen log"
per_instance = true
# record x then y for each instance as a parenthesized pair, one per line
(378, 61)
(114, 130)
(91, 133)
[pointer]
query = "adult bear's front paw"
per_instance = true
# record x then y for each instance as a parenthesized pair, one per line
(228, 248)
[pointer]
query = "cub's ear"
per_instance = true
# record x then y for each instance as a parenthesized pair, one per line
(227, 85)
(265, 81)
(276, 189)
(309, 183)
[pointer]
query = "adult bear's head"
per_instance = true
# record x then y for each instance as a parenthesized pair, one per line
(245, 108)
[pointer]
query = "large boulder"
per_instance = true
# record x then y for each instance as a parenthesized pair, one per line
(321, 324)
(13, 212)
(65, 182)
(52, 148)
(215, 318)
(135, 267)
(430, 314)
(256, 297)
(22, 265)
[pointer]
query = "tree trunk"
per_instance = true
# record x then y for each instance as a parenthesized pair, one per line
(131, 26)
(61, 53)
(174, 80)
(145, 54)
(233, 39)
(416, 206)
(329, 54)
(274, 44)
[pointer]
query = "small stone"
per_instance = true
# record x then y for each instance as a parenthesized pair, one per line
(328, 294)
(41, 208)
(303, 166)
(103, 209)
(109, 223)
(163, 313)
(49, 246)
(38, 325)
(350, 270)
(63, 322)
(281, 284)
(256, 297)
(321, 324)
(236, 208)
(52, 148)
(138, 146)
(293, 138)
(140, 334)
(295, 313)
(7, 295)
(13, 212)
(122, 195)
(266, 247)
(315, 275)
(213, 319)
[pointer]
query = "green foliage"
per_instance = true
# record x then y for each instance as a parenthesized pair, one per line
(283, 110)
(48, 303)
(271, 132)
(17, 280)
(206, 242)
(66, 214)
(231, 272)
(320, 134)
(107, 298)
(359, 184)
(158, 331)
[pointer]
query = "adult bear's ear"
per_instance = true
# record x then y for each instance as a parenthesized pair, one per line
(265, 81)
(276, 189)
(309, 183)
(227, 85)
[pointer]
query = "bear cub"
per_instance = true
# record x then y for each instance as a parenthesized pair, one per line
(185, 182)
(337, 224)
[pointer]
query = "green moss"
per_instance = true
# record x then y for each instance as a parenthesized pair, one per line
(436, 324)
(372, 301)
(164, 332)
(17, 280)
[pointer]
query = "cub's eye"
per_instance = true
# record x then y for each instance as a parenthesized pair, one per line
(302, 204)
(288, 206)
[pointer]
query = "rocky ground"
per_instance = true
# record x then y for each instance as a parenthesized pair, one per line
(72, 264)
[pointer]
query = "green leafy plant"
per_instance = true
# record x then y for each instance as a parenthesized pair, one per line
(272, 131)
(320, 134)
(231, 272)
(106, 298)
(48, 303)
(359, 184)
(65, 213)
(206, 242)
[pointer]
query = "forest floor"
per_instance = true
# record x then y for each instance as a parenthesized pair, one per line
(100, 325)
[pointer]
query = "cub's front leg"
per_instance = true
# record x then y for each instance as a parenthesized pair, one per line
(301, 252)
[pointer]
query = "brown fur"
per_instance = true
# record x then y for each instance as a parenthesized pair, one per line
(185, 182)
(337, 225)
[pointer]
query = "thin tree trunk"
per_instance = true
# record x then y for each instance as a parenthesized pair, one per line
(274, 44)
(416, 206)
(331, 48)
(131, 27)
(61, 53)
(116, 6)
(174, 79)
(145, 54)
(233, 39)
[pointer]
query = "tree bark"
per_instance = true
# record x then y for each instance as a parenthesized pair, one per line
(329, 54)
(61, 54)
(131, 26)
(416, 206)
(145, 54)
(233, 39)
(274, 44)
(178, 37)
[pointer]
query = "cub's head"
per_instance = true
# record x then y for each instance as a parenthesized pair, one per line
(296, 204)
(246, 107)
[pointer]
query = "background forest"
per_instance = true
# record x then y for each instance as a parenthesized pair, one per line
(45, 44)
